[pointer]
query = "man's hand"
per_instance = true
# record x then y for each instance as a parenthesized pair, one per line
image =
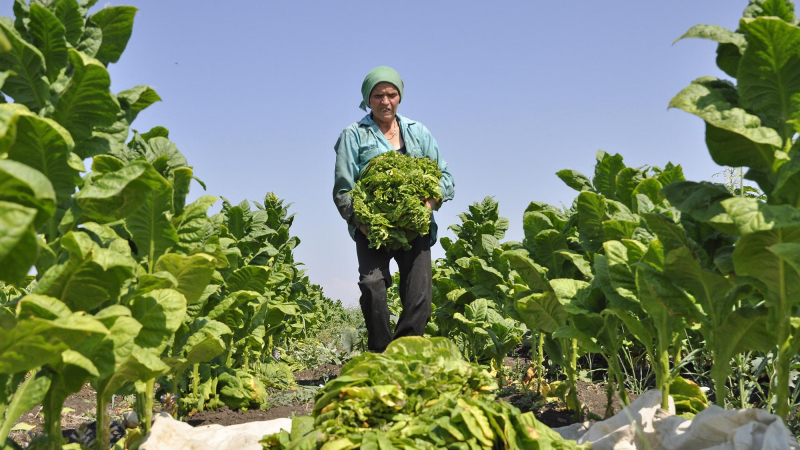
(363, 229)
(431, 202)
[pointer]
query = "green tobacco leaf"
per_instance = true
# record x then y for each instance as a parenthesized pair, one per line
(42, 144)
(152, 281)
(91, 276)
(787, 187)
(617, 276)
(30, 393)
(708, 288)
(249, 278)
(192, 222)
(87, 102)
(688, 396)
(119, 344)
(717, 34)
(181, 179)
(703, 201)
(35, 341)
(728, 59)
(649, 187)
(784, 9)
(756, 256)
(151, 227)
(619, 229)
(591, 214)
(580, 261)
(115, 195)
(734, 137)
(584, 341)
(662, 300)
(69, 13)
(670, 174)
(18, 246)
(542, 312)
(605, 173)
(548, 243)
(769, 75)
(750, 215)
(627, 180)
(534, 222)
(530, 272)
(202, 343)
(25, 186)
(193, 273)
(116, 24)
(745, 329)
(143, 364)
(28, 84)
(160, 312)
(669, 233)
(49, 37)
(789, 253)
(136, 99)
(575, 180)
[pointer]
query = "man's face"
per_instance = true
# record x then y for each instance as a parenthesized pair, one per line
(383, 102)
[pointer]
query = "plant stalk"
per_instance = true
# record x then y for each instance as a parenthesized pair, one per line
(784, 356)
(196, 386)
(719, 372)
(540, 363)
(52, 420)
(572, 369)
(101, 424)
(613, 366)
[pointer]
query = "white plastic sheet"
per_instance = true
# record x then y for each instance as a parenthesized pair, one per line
(169, 434)
(643, 425)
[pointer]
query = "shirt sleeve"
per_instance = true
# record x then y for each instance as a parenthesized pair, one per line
(431, 149)
(345, 174)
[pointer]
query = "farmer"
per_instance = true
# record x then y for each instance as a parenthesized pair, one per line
(380, 131)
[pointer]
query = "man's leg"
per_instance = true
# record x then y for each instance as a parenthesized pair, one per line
(415, 287)
(374, 279)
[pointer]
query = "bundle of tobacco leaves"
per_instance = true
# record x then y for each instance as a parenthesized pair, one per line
(389, 199)
(419, 394)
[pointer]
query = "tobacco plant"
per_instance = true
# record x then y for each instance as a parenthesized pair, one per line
(124, 267)
(752, 123)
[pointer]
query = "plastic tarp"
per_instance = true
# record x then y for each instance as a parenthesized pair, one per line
(643, 425)
(169, 434)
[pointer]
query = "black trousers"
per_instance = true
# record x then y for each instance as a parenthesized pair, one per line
(415, 289)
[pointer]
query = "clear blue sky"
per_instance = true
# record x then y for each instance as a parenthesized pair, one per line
(256, 93)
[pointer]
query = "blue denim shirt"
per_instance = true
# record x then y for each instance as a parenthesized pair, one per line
(362, 141)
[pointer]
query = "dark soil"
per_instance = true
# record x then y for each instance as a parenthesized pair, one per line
(224, 416)
(79, 408)
(318, 376)
(554, 415)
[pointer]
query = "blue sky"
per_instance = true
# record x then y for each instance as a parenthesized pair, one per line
(256, 93)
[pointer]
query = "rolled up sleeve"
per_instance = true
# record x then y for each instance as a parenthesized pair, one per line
(345, 174)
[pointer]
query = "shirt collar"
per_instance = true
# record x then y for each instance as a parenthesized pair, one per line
(367, 120)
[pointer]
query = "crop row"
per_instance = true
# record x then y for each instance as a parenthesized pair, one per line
(132, 286)
(643, 255)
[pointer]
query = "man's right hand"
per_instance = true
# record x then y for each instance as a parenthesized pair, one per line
(363, 229)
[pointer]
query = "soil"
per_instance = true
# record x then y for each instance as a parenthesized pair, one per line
(80, 407)
(224, 416)
(592, 397)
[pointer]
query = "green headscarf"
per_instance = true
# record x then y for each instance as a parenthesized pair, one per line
(377, 75)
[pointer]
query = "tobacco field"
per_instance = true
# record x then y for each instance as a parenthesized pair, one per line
(110, 279)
